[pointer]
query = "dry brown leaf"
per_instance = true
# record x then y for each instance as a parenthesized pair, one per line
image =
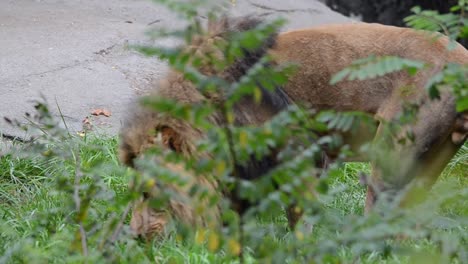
(101, 111)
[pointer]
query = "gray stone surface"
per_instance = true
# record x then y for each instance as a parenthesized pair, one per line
(74, 52)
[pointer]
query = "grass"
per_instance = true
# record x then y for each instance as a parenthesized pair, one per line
(38, 218)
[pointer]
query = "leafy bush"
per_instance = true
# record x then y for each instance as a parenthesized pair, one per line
(65, 198)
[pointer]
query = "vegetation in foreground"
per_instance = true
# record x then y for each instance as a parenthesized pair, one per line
(65, 198)
(37, 218)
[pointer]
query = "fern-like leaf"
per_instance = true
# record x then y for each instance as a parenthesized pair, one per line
(373, 66)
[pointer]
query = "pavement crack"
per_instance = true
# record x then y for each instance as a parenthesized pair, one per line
(14, 138)
(105, 51)
(154, 22)
(281, 10)
(61, 68)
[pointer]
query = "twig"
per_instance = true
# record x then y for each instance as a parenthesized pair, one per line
(279, 10)
(62, 117)
(235, 172)
(120, 224)
(76, 198)
(36, 125)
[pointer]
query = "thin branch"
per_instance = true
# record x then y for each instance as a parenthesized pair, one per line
(117, 231)
(235, 172)
(62, 117)
(76, 198)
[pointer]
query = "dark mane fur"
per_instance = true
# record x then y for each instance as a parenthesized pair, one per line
(275, 99)
(250, 56)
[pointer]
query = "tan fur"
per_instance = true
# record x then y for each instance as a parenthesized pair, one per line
(325, 50)
(320, 53)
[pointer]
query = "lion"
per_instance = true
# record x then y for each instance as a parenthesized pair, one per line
(319, 53)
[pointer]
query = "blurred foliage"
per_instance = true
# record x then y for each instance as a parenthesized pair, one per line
(79, 212)
(454, 25)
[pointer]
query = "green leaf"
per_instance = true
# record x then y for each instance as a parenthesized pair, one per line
(341, 75)
(372, 67)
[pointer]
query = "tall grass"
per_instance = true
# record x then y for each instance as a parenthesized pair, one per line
(35, 227)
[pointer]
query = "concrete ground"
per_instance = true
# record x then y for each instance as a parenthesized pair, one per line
(74, 53)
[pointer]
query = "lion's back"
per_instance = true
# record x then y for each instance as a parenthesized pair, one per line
(320, 52)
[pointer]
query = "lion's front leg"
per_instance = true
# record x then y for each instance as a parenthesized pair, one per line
(409, 165)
